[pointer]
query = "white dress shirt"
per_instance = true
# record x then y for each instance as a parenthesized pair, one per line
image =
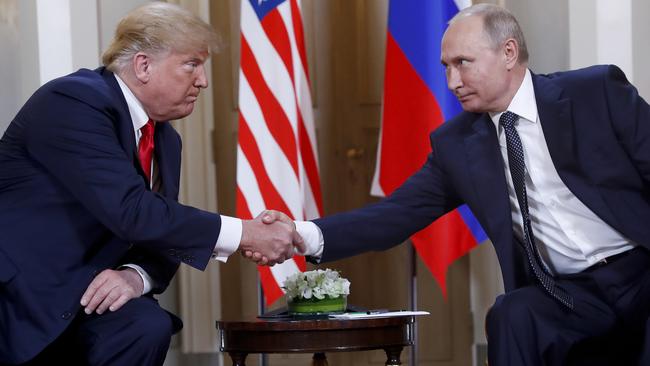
(231, 228)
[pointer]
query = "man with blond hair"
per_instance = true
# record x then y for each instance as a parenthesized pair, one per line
(89, 219)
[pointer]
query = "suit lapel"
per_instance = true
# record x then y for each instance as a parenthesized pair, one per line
(165, 141)
(486, 171)
(557, 124)
(167, 159)
(124, 125)
(560, 133)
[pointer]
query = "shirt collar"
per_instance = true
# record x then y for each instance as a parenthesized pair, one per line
(138, 115)
(523, 103)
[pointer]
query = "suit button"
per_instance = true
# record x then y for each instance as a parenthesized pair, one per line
(66, 315)
(172, 252)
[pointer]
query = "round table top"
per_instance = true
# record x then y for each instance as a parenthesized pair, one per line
(296, 323)
(289, 335)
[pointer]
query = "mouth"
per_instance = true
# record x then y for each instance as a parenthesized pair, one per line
(464, 97)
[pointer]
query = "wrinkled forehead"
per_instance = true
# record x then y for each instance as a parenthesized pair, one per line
(185, 53)
(464, 35)
(470, 26)
(189, 47)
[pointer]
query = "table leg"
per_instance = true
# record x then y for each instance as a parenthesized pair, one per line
(238, 358)
(319, 359)
(392, 356)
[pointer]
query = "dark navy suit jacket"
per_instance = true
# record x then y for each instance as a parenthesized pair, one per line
(73, 202)
(597, 129)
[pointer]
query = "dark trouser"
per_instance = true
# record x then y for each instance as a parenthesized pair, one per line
(137, 334)
(526, 327)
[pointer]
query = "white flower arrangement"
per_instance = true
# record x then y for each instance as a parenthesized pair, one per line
(317, 284)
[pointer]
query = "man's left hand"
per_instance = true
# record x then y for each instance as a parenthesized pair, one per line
(111, 289)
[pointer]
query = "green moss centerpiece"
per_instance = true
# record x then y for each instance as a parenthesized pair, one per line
(316, 292)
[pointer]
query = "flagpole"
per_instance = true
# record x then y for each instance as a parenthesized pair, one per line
(261, 309)
(413, 302)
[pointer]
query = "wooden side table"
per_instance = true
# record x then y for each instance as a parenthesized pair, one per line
(239, 338)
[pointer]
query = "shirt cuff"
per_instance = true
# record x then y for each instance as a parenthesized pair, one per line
(229, 238)
(146, 279)
(313, 238)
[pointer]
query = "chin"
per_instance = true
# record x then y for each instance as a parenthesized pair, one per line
(470, 108)
(475, 107)
(182, 114)
(189, 109)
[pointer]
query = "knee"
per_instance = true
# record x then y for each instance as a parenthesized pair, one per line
(153, 326)
(510, 310)
(148, 322)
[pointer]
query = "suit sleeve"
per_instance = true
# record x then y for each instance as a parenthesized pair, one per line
(423, 198)
(75, 140)
(160, 268)
(630, 115)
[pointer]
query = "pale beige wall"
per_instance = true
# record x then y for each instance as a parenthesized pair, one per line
(640, 49)
(10, 36)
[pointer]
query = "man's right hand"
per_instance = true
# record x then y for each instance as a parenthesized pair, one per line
(111, 289)
(270, 238)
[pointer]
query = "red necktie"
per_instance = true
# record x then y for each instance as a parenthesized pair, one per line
(145, 148)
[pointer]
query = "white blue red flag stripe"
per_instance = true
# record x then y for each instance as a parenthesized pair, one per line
(416, 101)
(277, 164)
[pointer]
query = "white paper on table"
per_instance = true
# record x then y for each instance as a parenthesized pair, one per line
(371, 314)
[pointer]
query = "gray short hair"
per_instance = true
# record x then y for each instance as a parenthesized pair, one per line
(499, 24)
(158, 27)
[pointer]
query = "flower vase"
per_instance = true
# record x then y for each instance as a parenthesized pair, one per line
(314, 306)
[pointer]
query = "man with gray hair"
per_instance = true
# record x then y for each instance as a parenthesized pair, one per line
(556, 168)
(89, 219)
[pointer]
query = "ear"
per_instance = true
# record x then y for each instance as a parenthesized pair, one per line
(511, 53)
(142, 67)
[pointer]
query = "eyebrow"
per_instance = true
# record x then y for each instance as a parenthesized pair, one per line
(459, 57)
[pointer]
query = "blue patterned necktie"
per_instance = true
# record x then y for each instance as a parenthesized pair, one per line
(517, 171)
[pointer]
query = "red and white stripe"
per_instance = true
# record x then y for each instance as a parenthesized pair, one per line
(277, 164)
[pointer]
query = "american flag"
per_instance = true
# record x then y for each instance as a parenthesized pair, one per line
(277, 165)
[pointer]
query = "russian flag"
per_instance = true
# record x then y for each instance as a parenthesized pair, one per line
(417, 101)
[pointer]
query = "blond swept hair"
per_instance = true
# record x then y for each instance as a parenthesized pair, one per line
(156, 28)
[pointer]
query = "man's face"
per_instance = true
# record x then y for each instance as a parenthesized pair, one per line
(476, 73)
(175, 80)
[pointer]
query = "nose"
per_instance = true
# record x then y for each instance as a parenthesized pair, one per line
(454, 81)
(201, 78)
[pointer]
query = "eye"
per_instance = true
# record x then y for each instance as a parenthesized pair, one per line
(190, 66)
(463, 62)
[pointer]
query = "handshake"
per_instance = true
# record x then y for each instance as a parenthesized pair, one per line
(270, 238)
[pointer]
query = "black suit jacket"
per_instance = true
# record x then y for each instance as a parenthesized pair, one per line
(73, 202)
(597, 129)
